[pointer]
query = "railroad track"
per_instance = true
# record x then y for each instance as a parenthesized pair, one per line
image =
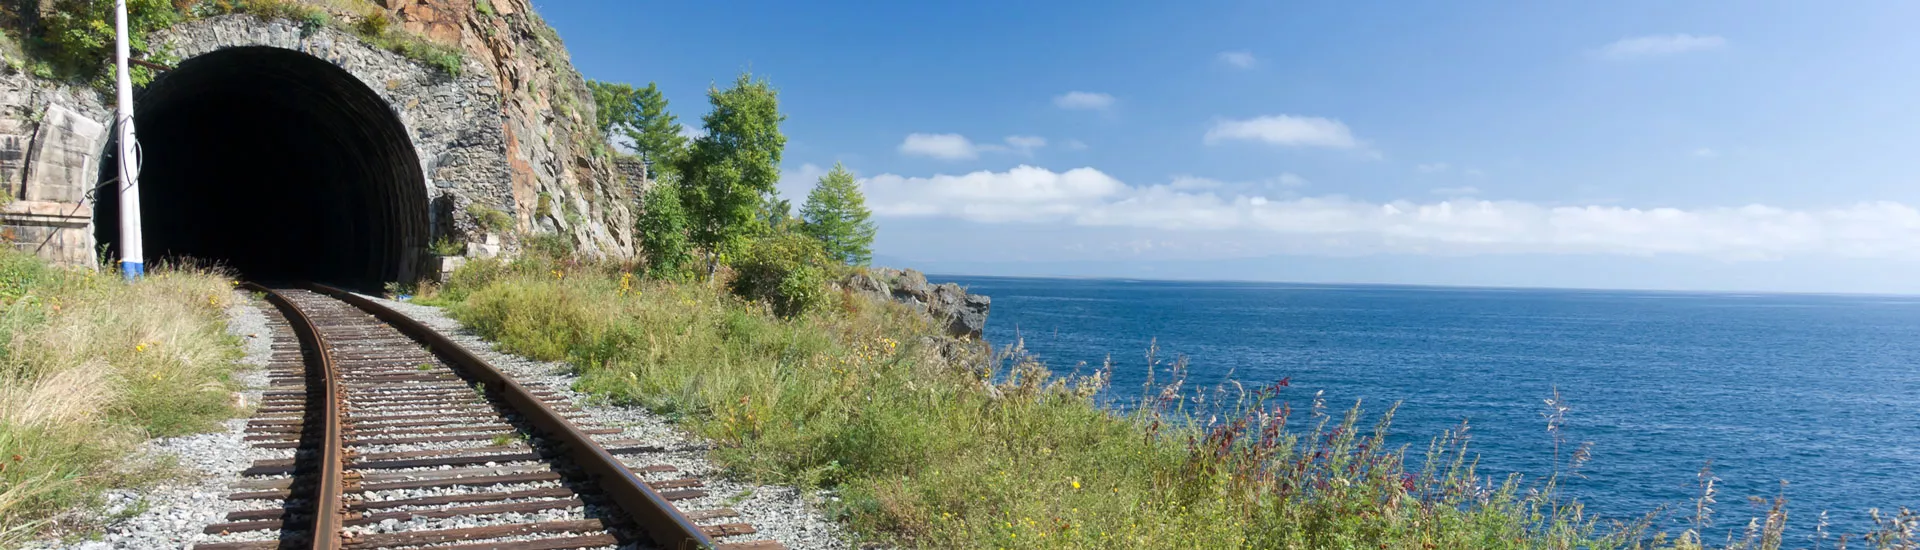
(401, 438)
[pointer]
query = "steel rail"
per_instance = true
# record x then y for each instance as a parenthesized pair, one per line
(643, 506)
(328, 510)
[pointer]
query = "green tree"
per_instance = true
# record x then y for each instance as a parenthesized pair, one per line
(640, 115)
(663, 232)
(728, 175)
(76, 36)
(836, 214)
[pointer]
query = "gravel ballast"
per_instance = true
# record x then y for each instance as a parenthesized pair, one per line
(781, 513)
(172, 514)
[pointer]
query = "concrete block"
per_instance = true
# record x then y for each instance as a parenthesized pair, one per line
(447, 264)
(65, 156)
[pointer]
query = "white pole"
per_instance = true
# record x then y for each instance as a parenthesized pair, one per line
(131, 263)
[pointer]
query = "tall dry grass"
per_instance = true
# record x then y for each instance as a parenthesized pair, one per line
(90, 366)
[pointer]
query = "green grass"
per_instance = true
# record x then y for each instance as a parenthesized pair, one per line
(940, 450)
(90, 367)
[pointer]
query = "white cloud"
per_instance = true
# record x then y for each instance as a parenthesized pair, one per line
(1432, 168)
(1286, 130)
(1705, 152)
(940, 146)
(1659, 45)
(1083, 101)
(1457, 191)
(795, 184)
(692, 133)
(1024, 193)
(1286, 180)
(958, 147)
(1241, 59)
(1474, 172)
(1075, 145)
(1025, 145)
(1088, 197)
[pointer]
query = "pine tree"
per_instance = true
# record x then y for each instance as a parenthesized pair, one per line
(728, 174)
(836, 214)
(640, 115)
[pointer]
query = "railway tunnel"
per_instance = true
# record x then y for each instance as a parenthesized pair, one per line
(277, 164)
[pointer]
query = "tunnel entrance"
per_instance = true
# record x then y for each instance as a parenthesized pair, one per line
(277, 164)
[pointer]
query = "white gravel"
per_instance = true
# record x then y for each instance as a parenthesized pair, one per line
(781, 513)
(172, 514)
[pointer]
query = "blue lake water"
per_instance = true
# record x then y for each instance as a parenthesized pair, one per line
(1820, 390)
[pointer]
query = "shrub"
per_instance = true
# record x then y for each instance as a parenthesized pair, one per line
(784, 269)
(550, 245)
(377, 28)
(662, 228)
(444, 246)
(490, 218)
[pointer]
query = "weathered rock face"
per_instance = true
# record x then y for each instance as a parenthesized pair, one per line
(965, 315)
(548, 115)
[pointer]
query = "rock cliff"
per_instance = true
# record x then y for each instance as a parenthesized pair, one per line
(556, 157)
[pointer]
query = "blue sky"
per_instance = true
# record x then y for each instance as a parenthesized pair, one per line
(1673, 145)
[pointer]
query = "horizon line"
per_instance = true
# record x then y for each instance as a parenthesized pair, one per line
(1177, 279)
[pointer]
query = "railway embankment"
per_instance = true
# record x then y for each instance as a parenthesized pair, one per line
(91, 369)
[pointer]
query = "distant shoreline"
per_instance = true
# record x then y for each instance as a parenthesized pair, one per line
(1408, 286)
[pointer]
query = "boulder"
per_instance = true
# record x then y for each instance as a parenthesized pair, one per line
(970, 318)
(866, 284)
(963, 315)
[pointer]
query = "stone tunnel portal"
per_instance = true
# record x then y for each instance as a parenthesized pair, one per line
(277, 164)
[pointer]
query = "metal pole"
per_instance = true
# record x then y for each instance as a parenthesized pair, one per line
(131, 263)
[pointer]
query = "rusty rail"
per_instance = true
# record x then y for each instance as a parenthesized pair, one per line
(328, 510)
(643, 506)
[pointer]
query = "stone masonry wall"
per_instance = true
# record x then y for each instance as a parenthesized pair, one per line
(51, 139)
(454, 121)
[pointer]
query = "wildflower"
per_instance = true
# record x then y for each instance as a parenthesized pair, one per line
(139, 348)
(1076, 484)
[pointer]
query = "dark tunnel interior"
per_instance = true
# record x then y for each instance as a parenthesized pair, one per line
(277, 164)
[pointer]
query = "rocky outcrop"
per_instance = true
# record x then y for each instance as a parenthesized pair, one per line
(964, 315)
(552, 144)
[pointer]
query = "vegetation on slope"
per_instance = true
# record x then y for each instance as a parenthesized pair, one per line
(90, 366)
(931, 446)
(933, 450)
(74, 39)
